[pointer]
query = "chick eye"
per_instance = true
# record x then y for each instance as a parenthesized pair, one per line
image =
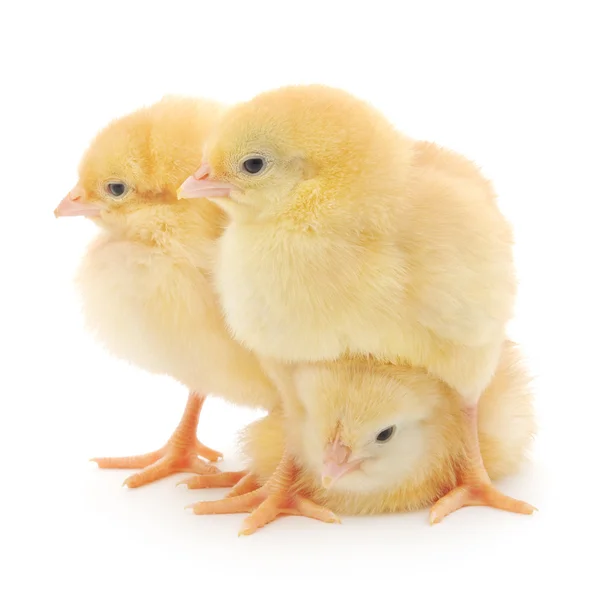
(253, 165)
(116, 188)
(386, 434)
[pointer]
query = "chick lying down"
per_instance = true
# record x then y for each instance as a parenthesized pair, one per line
(402, 448)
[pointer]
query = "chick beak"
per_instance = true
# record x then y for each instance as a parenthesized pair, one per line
(73, 205)
(199, 185)
(336, 463)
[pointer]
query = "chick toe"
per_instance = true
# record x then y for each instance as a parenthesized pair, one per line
(476, 495)
(179, 455)
(215, 480)
(476, 488)
(277, 497)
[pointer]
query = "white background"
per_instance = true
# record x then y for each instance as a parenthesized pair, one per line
(511, 85)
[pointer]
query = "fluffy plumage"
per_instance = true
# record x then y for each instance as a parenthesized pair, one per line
(145, 281)
(419, 463)
(358, 239)
(349, 238)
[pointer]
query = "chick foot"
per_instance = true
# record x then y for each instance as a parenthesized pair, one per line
(179, 455)
(476, 494)
(476, 488)
(266, 503)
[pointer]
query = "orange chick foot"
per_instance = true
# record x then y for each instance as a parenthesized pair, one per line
(157, 465)
(266, 503)
(476, 488)
(179, 455)
(482, 494)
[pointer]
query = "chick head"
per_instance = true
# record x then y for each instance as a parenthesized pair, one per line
(137, 162)
(293, 142)
(368, 426)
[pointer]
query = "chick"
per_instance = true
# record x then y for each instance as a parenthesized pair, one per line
(360, 240)
(378, 438)
(145, 281)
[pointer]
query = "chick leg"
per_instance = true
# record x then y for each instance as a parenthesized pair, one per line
(276, 497)
(179, 455)
(476, 488)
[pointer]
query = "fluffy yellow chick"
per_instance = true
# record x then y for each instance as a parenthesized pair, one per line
(380, 438)
(347, 237)
(145, 282)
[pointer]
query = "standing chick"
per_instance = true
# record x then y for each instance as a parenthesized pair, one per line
(398, 436)
(349, 237)
(145, 283)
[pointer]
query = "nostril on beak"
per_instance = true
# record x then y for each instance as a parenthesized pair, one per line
(202, 173)
(338, 453)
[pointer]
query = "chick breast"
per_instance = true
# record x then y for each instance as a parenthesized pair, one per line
(159, 312)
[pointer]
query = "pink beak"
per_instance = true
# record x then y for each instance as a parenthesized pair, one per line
(72, 205)
(336, 463)
(200, 186)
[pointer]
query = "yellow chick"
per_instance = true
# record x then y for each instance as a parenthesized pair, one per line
(378, 438)
(348, 237)
(145, 281)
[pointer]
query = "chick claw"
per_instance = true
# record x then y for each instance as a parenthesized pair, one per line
(266, 503)
(179, 455)
(476, 495)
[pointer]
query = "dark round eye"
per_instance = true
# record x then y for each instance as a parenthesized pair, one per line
(116, 189)
(386, 434)
(253, 165)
